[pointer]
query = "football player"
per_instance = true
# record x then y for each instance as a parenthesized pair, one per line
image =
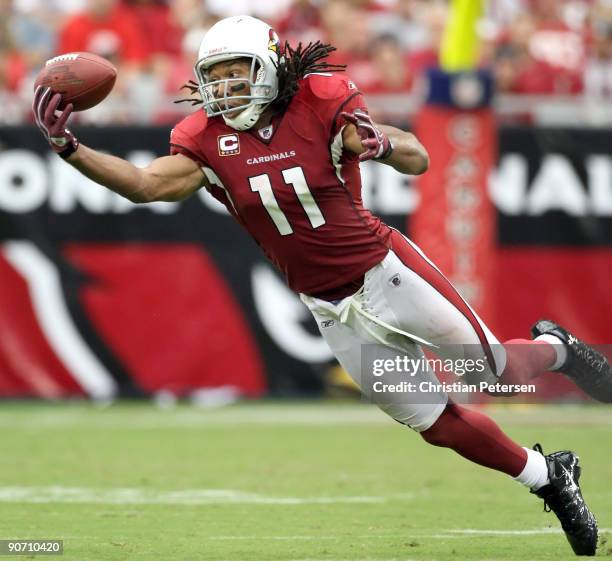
(279, 144)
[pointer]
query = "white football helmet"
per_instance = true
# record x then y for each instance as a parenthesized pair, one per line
(239, 37)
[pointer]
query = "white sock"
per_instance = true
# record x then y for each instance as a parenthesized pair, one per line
(559, 347)
(535, 472)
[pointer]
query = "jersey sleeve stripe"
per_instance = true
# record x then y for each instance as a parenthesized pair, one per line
(338, 111)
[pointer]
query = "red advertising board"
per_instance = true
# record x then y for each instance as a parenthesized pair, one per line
(455, 222)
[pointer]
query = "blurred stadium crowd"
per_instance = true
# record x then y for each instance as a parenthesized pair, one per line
(543, 47)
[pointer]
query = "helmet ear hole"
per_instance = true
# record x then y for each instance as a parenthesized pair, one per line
(259, 73)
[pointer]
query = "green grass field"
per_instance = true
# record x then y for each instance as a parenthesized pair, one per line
(280, 481)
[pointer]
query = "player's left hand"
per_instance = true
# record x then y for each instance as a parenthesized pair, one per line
(53, 127)
(375, 142)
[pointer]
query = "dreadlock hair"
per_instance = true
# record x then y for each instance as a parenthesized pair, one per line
(293, 65)
(193, 88)
(296, 63)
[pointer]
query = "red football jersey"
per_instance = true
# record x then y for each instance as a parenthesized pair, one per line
(293, 186)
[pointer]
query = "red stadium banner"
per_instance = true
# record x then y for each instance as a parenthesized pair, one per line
(103, 298)
(455, 221)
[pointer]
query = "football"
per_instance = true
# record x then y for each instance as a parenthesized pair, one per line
(83, 79)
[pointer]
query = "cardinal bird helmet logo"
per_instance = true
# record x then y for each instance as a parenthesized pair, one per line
(274, 42)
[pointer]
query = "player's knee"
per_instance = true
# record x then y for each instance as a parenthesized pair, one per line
(434, 437)
(419, 417)
(439, 434)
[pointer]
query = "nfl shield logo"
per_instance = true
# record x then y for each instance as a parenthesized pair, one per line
(266, 132)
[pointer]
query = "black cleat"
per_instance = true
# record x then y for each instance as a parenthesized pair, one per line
(562, 495)
(586, 367)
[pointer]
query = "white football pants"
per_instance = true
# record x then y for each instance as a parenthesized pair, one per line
(404, 302)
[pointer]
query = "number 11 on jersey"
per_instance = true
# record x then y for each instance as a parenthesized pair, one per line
(295, 177)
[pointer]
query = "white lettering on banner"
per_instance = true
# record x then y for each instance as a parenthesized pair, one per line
(393, 190)
(283, 316)
(599, 169)
(387, 191)
(508, 184)
(29, 181)
(557, 187)
(23, 181)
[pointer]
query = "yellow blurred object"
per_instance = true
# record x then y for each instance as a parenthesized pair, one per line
(338, 383)
(459, 49)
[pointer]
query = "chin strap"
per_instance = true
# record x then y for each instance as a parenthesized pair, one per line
(247, 118)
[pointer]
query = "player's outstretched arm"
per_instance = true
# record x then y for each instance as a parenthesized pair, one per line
(383, 143)
(171, 178)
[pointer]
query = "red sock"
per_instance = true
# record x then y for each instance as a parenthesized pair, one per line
(477, 438)
(526, 360)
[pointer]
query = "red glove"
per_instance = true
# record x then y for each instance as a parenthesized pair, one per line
(377, 143)
(53, 126)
